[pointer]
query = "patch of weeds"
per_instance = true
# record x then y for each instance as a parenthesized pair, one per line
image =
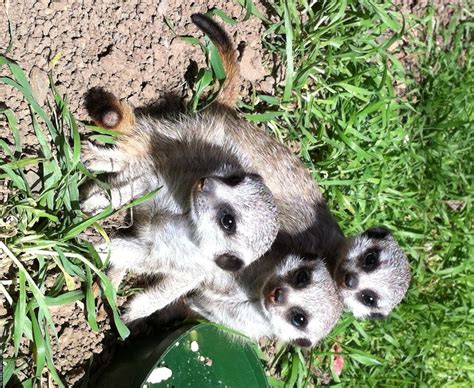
(383, 159)
(47, 263)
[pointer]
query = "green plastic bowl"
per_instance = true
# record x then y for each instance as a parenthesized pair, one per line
(192, 356)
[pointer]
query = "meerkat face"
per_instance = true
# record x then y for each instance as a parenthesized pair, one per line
(301, 301)
(235, 219)
(373, 275)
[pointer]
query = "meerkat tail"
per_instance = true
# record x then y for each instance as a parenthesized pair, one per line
(228, 55)
(107, 111)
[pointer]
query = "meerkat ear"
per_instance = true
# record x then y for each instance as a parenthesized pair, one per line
(302, 342)
(310, 256)
(377, 316)
(378, 232)
(229, 262)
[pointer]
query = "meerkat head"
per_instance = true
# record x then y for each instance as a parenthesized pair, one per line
(372, 274)
(301, 301)
(235, 218)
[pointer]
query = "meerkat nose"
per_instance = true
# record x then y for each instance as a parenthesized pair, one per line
(205, 185)
(351, 281)
(200, 184)
(277, 296)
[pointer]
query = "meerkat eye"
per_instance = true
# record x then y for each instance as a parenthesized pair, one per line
(227, 222)
(298, 319)
(302, 278)
(370, 261)
(368, 298)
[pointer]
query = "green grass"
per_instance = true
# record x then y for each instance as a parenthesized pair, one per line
(40, 232)
(378, 157)
(381, 159)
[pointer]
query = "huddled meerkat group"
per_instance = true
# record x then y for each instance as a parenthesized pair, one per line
(238, 228)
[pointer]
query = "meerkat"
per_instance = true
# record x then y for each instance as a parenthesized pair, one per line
(210, 207)
(306, 224)
(282, 296)
(184, 247)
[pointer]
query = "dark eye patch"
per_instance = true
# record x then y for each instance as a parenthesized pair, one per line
(368, 298)
(298, 318)
(301, 278)
(233, 180)
(370, 260)
(302, 342)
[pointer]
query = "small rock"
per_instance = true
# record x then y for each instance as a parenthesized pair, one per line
(148, 92)
(162, 7)
(456, 205)
(33, 180)
(47, 27)
(58, 6)
(39, 84)
(266, 85)
(114, 62)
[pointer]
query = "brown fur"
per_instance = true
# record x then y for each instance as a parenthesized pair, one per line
(103, 107)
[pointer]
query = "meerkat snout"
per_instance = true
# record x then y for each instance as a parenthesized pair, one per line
(205, 185)
(277, 296)
(229, 262)
(351, 280)
(372, 274)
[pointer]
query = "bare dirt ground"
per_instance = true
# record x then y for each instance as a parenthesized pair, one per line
(124, 47)
(127, 48)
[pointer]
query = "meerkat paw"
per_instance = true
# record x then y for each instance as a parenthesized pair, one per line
(138, 308)
(95, 203)
(97, 159)
(89, 154)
